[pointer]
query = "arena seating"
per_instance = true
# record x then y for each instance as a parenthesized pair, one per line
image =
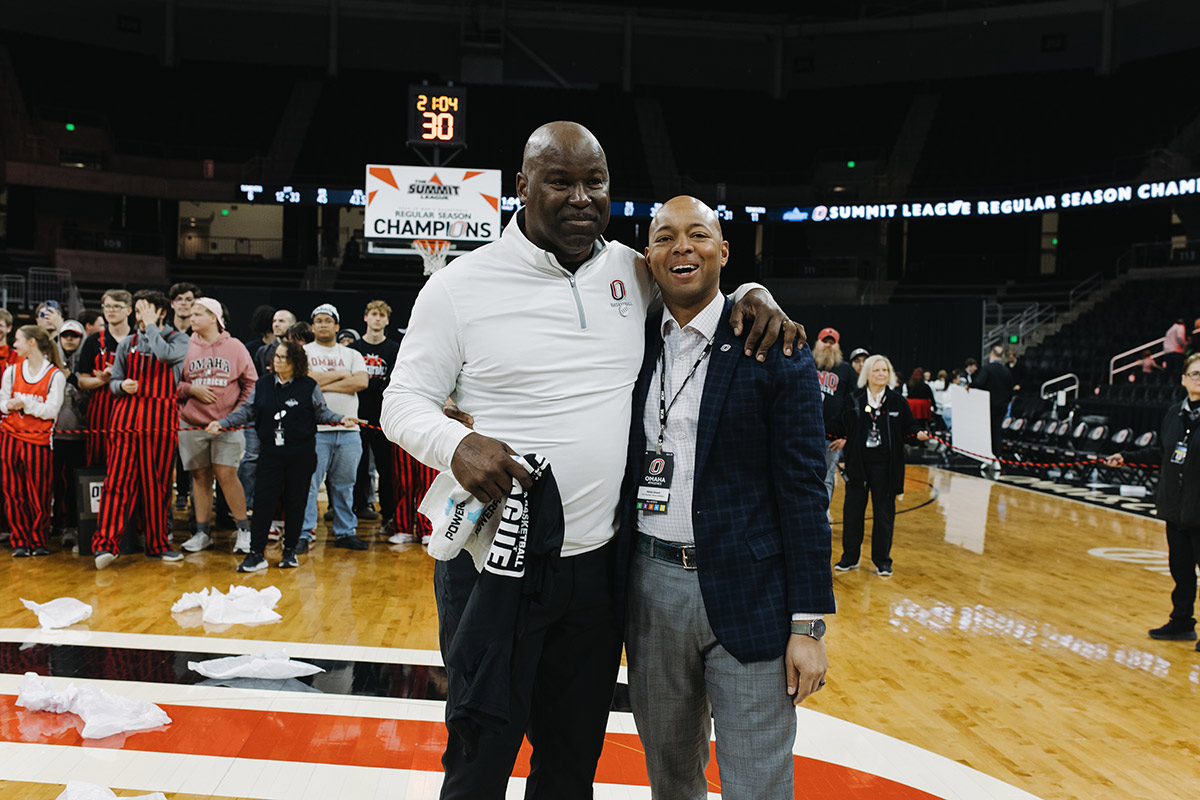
(1138, 312)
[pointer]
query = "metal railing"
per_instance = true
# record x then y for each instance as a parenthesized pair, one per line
(12, 291)
(52, 283)
(1003, 321)
(1085, 288)
(1143, 255)
(1114, 370)
(1060, 388)
(229, 248)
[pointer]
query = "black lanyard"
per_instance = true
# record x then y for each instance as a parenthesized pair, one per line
(875, 413)
(663, 407)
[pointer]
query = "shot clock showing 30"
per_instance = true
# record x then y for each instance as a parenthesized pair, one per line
(437, 115)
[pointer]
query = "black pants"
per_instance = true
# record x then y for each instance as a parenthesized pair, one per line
(883, 517)
(1183, 547)
(69, 455)
(286, 474)
(998, 413)
(183, 478)
(562, 705)
(375, 442)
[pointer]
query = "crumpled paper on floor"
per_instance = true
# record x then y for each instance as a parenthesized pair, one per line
(243, 605)
(60, 612)
(103, 713)
(78, 790)
(272, 666)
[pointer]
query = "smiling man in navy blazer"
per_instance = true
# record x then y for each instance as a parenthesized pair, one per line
(726, 541)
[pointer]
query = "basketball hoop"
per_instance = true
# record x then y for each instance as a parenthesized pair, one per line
(433, 253)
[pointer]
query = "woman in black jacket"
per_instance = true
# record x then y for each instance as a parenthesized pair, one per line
(875, 422)
(1178, 499)
(285, 408)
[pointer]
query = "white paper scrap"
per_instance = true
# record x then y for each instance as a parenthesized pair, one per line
(60, 612)
(103, 713)
(242, 605)
(270, 666)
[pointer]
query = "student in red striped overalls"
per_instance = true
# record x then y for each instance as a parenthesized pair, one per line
(412, 482)
(143, 438)
(7, 357)
(31, 393)
(94, 368)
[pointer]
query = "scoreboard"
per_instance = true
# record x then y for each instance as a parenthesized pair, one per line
(437, 115)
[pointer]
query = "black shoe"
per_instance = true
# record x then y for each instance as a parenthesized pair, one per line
(40, 551)
(884, 572)
(367, 513)
(845, 566)
(255, 562)
(302, 547)
(289, 560)
(20, 552)
(166, 555)
(350, 543)
(328, 515)
(1174, 631)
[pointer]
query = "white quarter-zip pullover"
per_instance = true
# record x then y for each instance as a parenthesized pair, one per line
(544, 360)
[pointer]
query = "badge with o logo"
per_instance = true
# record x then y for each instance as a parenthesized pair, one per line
(656, 466)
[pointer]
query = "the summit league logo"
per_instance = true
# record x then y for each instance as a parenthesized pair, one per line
(618, 295)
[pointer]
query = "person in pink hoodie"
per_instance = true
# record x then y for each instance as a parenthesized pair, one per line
(218, 376)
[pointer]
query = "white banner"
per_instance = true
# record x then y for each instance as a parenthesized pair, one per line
(972, 421)
(461, 205)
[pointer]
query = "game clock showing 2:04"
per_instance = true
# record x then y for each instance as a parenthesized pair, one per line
(437, 115)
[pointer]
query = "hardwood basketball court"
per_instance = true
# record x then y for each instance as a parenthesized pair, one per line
(1011, 641)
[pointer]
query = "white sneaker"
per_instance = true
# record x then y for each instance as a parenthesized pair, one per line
(399, 538)
(275, 531)
(199, 541)
(242, 545)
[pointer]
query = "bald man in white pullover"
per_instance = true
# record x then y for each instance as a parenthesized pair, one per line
(539, 336)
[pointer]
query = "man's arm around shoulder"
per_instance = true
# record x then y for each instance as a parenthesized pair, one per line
(798, 469)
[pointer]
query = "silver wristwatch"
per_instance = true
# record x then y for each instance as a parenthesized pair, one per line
(814, 628)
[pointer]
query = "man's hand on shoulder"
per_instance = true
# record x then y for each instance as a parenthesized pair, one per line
(768, 323)
(485, 468)
(806, 664)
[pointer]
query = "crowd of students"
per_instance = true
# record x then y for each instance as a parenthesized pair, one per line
(154, 386)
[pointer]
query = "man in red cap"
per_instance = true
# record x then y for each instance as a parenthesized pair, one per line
(838, 380)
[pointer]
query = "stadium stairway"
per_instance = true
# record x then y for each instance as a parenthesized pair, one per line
(1136, 311)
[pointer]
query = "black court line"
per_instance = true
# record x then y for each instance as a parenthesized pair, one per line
(351, 678)
(907, 480)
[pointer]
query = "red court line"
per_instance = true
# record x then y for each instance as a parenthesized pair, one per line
(381, 743)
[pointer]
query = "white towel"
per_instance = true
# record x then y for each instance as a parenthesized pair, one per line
(243, 605)
(460, 521)
(60, 612)
(78, 790)
(268, 666)
(103, 713)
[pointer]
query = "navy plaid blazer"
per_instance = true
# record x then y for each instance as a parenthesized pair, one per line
(759, 500)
